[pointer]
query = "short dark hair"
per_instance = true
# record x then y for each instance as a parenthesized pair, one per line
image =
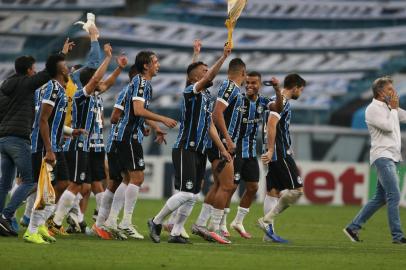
(236, 65)
(293, 80)
(52, 64)
(254, 74)
(193, 66)
(132, 72)
(23, 63)
(379, 84)
(86, 74)
(142, 58)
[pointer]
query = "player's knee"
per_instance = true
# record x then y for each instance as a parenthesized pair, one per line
(291, 196)
(252, 188)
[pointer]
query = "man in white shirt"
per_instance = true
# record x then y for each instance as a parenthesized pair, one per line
(382, 117)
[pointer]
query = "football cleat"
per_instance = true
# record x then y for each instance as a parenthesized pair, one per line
(219, 238)
(130, 231)
(43, 231)
(241, 230)
(55, 229)
(202, 232)
(268, 230)
(99, 231)
(34, 238)
(24, 221)
(178, 239)
(154, 231)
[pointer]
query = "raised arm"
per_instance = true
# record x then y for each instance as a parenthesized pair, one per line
(98, 75)
(197, 45)
(277, 105)
(121, 63)
(213, 71)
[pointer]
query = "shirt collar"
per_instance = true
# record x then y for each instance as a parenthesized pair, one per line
(379, 103)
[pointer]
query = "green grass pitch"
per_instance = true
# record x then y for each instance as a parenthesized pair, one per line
(315, 232)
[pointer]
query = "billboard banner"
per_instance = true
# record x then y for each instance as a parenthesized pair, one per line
(325, 183)
(61, 4)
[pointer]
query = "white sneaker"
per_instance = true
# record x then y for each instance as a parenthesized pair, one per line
(184, 234)
(241, 230)
(130, 231)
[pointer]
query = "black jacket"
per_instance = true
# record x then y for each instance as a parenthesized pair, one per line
(17, 104)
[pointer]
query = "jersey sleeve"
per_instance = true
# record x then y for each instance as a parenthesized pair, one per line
(139, 92)
(51, 93)
(190, 89)
(227, 92)
(120, 102)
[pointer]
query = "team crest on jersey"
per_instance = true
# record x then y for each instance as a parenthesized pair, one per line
(82, 176)
(54, 95)
(226, 95)
(141, 91)
(260, 109)
(189, 185)
(237, 177)
(299, 180)
(141, 163)
(80, 144)
(192, 144)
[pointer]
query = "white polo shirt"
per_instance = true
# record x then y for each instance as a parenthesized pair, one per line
(384, 128)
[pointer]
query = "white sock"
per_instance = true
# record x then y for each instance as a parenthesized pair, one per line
(117, 204)
(49, 211)
(131, 196)
(99, 197)
(204, 215)
(76, 202)
(223, 221)
(172, 217)
(171, 205)
(216, 216)
(81, 216)
(184, 212)
(288, 197)
(64, 205)
(241, 213)
(36, 219)
(30, 204)
(105, 206)
(269, 203)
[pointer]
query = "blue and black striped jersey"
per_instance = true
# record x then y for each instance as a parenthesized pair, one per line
(96, 142)
(120, 102)
(196, 110)
(51, 93)
(83, 117)
(131, 126)
(282, 139)
(251, 116)
(230, 95)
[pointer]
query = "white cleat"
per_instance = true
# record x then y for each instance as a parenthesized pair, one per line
(241, 230)
(130, 231)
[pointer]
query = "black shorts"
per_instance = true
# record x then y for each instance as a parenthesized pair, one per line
(213, 153)
(115, 167)
(60, 173)
(190, 167)
(78, 166)
(96, 167)
(283, 174)
(130, 155)
(246, 169)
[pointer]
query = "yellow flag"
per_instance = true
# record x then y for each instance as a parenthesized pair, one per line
(235, 7)
(45, 190)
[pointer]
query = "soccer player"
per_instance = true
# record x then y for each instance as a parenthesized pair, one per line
(91, 118)
(188, 153)
(48, 129)
(226, 117)
(77, 158)
(246, 166)
(113, 164)
(128, 141)
(284, 184)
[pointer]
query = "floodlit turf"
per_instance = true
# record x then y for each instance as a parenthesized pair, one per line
(317, 242)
